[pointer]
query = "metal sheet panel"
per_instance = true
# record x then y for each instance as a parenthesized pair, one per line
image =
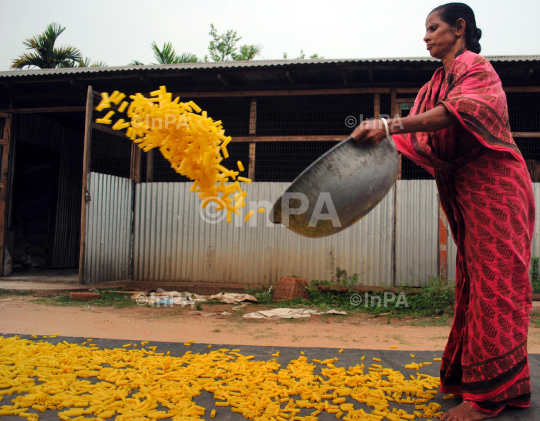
(240, 64)
(417, 231)
(108, 229)
(172, 242)
(452, 255)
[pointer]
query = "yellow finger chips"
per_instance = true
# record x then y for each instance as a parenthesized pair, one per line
(132, 383)
(190, 140)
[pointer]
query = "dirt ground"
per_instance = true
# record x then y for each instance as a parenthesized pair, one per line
(19, 315)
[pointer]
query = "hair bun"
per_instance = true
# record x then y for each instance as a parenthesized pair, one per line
(477, 34)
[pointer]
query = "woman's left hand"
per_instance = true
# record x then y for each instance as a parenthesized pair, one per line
(369, 131)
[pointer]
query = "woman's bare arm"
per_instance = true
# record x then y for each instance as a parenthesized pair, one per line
(372, 131)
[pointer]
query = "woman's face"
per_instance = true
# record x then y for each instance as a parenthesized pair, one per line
(441, 38)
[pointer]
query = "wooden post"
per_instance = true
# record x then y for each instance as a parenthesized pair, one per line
(398, 113)
(251, 166)
(135, 168)
(252, 132)
(6, 141)
(393, 103)
(149, 166)
(376, 105)
(443, 243)
(253, 116)
(396, 204)
(86, 171)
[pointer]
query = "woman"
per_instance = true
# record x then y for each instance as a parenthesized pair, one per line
(458, 131)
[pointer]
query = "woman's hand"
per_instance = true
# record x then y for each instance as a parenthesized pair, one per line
(369, 131)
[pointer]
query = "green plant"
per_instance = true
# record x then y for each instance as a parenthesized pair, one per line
(106, 299)
(224, 47)
(535, 274)
(198, 306)
(264, 296)
(45, 55)
(167, 55)
(7, 292)
(434, 298)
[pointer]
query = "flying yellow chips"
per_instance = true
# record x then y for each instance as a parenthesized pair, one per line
(191, 141)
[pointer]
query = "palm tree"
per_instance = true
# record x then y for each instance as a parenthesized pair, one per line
(45, 55)
(84, 62)
(167, 55)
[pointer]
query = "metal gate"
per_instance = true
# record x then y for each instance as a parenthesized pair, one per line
(108, 229)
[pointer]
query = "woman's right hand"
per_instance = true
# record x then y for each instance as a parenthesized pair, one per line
(369, 131)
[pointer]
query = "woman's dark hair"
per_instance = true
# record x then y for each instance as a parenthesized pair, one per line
(451, 12)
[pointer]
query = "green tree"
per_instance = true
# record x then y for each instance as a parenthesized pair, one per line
(45, 55)
(167, 55)
(302, 56)
(84, 62)
(224, 47)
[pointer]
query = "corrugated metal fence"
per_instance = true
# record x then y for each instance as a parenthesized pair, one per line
(108, 229)
(174, 240)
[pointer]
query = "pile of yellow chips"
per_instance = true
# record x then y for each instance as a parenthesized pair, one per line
(131, 383)
(190, 140)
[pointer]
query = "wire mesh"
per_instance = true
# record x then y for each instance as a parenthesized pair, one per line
(109, 153)
(385, 104)
(411, 171)
(51, 101)
(406, 95)
(284, 161)
(524, 111)
(312, 115)
(234, 112)
(530, 149)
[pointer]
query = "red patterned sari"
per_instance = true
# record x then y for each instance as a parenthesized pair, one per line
(489, 202)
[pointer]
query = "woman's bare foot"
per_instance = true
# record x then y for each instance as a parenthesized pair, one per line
(465, 412)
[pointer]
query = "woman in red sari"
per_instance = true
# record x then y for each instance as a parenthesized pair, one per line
(458, 130)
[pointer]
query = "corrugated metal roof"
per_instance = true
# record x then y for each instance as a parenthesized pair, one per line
(242, 64)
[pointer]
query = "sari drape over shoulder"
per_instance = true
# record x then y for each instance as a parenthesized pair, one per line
(488, 199)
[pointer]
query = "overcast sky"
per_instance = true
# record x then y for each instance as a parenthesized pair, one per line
(119, 31)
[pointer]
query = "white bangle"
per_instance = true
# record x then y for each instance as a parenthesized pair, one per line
(386, 127)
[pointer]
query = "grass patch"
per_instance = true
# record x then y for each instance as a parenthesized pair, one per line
(435, 298)
(535, 320)
(107, 299)
(535, 274)
(444, 320)
(7, 293)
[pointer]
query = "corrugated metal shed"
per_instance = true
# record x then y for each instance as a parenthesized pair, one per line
(247, 64)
